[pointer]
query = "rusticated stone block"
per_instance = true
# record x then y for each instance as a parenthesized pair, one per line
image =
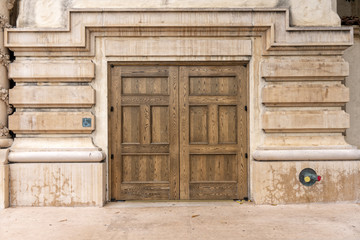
(31, 71)
(281, 70)
(305, 121)
(305, 95)
(52, 122)
(52, 96)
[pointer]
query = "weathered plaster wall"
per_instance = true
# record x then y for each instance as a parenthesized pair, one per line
(57, 184)
(53, 13)
(278, 182)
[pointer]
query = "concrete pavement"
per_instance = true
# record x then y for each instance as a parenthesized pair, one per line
(183, 220)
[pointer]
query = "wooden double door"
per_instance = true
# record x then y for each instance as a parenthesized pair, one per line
(178, 132)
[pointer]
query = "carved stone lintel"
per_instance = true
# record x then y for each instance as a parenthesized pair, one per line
(10, 4)
(4, 59)
(4, 22)
(4, 96)
(4, 131)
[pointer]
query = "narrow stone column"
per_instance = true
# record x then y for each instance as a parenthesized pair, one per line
(5, 109)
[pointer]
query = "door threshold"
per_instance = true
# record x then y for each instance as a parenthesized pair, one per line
(170, 203)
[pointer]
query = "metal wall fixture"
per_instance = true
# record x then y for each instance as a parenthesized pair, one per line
(308, 177)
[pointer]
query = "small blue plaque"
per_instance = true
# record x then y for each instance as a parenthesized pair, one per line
(86, 122)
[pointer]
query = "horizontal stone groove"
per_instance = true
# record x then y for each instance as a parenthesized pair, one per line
(51, 122)
(51, 71)
(305, 95)
(52, 96)
(305, 121)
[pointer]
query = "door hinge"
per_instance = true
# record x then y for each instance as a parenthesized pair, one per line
(112, 156)
(245, 108)
(111, 109)
(246, 155)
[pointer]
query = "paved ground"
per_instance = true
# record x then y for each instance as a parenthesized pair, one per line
(183, 220)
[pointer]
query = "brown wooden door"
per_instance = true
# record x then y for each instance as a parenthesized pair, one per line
(213, 132)
(144, 133)
(156, 157)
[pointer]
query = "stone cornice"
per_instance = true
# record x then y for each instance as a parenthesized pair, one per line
(84, 25)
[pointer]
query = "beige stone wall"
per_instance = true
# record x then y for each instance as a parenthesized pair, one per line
(296, 94)
(53, 14)
(352, 55)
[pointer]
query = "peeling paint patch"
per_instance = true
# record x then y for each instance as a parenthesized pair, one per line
(277, 182)
(59, 184)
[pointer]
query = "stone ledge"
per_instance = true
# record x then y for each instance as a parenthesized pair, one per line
(307, 155)
(57, 156)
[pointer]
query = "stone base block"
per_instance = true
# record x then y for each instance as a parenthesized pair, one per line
(57, 184)
(4, 186)
(278, 182)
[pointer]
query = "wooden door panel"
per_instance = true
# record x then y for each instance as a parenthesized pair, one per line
(145, 169)
(131, 124)
(213, 168)
(159, 124)
(227, 124)
(144, 133)
(213, 132)
(212, 86)
(198, 116)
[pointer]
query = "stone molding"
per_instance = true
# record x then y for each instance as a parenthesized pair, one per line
(57, 156)
(307, 155)
(84, 25)
(53, 149)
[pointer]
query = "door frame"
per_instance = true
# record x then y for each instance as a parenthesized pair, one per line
(111, 64)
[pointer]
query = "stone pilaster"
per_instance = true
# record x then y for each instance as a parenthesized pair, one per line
(5, 108)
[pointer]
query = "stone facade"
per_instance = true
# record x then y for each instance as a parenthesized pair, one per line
(295, 86)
